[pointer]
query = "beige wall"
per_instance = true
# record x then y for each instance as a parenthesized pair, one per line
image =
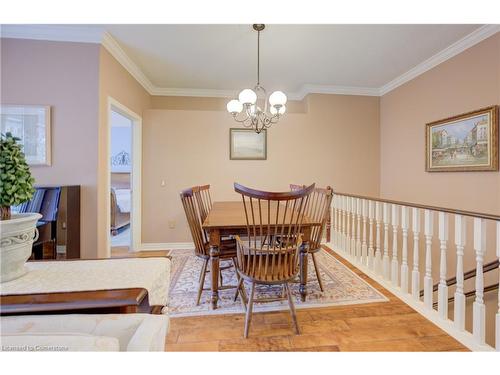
(117, 83)
(328, 139)
(64, 76)
(468, 81)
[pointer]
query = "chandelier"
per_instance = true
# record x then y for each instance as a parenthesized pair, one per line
(251, 109)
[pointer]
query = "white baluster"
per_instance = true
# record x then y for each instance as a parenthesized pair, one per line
(354, 202)
(459, 300)
(348, 230)
(371, 209)
(497, 326)
(378, 241)
(364, 259)
(442, 287)
(359, 203)
(415, 273)
(343, 213)
(405, 224)
(344, 227)
(385, 260)
(428, 229)
(337, 220)
(394, 262)
(478, 308)
(333, 222)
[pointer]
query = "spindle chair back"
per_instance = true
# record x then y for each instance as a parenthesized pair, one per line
(270, 252)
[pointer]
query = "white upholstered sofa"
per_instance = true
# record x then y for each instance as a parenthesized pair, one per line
(82, 332)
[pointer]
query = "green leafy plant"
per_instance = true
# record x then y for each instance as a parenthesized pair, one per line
(16, 182)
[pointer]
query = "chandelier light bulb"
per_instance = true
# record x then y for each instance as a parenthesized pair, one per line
(277, 98)
(234, 107)
(274, 110)
(247, 96)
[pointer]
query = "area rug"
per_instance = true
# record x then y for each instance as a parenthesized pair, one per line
(341, 285)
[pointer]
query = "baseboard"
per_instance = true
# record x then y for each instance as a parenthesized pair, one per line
(166, 246)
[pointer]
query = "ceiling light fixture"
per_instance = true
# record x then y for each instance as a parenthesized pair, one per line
(254, 103)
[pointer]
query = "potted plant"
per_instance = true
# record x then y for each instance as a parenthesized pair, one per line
(17, 231)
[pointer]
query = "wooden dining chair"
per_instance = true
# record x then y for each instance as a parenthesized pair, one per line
(201, 241)
(317, 210)
(203, 200)
(261, 259)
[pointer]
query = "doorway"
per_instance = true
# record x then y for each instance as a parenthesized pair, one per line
(124, 231)
(121, 181)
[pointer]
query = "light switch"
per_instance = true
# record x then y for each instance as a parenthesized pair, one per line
(163, 183)
(171, 224)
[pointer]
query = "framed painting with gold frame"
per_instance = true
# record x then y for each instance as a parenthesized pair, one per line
(466, 142)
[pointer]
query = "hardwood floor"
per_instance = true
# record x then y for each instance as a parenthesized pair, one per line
(389, 326)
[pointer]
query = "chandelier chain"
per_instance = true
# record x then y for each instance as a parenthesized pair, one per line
(258, 58)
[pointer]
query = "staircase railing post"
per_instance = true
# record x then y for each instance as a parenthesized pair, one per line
(378, 240)
(478, 308)
(459, 297)
(385, 259)
(371, 215)
(442, 287)
(428, 230)
(405, 223)
(415, 273)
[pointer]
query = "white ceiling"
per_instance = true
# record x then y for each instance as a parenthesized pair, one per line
(223, 57)
(220, 60)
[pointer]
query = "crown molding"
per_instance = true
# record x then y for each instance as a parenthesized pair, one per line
(119, 54)
(298, 95)
(204, 93)
(57, 33)
(461, 45)
(84, 34)
(337, 90)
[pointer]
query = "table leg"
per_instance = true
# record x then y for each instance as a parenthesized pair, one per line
(214, 266)
(303, 272)
(303, 261)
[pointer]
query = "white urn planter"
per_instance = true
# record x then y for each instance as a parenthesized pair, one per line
(16, 242)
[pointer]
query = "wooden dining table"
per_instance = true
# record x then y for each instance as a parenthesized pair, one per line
(228, 218)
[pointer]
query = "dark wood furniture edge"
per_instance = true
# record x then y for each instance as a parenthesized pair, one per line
(169, 257)
(131, 300)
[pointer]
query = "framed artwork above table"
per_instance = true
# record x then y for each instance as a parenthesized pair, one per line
(246, 144)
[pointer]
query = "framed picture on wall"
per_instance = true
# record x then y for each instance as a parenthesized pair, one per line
(31, 124)
(246, 144)
(466, 142)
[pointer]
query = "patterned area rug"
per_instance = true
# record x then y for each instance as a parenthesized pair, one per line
(342, 287)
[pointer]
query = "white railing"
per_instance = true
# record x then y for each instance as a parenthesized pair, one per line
(360, 232)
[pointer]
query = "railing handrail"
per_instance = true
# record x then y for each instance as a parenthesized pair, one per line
(491, 266)
(480, 215)
(472, 293)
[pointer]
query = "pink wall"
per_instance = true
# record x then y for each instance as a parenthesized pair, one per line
(66, 77)
(326, 139)
(468, 81)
